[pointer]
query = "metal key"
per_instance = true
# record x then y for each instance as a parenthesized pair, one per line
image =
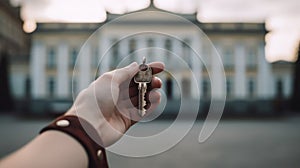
(143, 77)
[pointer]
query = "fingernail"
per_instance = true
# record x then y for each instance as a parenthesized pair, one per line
(134, 64)
(159, 79)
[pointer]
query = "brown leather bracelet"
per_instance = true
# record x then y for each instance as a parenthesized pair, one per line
(77, 128)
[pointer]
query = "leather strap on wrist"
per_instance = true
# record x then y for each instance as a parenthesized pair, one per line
(78, 128)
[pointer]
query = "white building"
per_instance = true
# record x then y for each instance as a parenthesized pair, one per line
(250, 79)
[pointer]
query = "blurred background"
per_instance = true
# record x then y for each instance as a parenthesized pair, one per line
(258, 42)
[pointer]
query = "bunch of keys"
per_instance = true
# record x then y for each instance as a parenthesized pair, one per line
(142, 78)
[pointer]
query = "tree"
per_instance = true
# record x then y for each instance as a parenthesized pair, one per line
(296, 87)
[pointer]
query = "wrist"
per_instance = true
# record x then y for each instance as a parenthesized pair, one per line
(89, 115)
(105, 130)
(85, 134)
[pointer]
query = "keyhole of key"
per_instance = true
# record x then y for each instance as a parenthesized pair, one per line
(143, 67)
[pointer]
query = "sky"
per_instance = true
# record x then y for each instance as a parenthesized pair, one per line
(282, 17)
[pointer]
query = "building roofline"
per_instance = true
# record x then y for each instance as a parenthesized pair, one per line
(214, 27)
(229, 28)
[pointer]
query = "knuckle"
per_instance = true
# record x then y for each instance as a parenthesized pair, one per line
(127, 72)
(158, 94)
(107, 76)
(83, 94)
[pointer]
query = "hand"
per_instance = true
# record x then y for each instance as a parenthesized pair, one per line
(110, 102)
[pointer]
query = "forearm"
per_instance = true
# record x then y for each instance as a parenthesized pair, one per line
(50, 149)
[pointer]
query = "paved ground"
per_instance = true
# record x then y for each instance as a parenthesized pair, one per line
(235, 143)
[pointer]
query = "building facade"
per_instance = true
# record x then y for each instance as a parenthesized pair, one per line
(250, 81)
(14, 56)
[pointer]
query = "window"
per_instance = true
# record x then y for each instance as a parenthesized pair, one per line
(279, 86)
(229, 87)
(251, 87)
(73, 56)
(251, 57)
(95, 57)
(228, 58)
(186, 87)
(206, 55)
(169, 85)
(205, 88)
(150, 44)
(51, 86)
(27, 86)
(132, 47)
(115, 54)
(51, 58)
(167, 51)
(168, 47)
(186, 51)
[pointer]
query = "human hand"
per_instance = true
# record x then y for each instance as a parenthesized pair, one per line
(109, 103)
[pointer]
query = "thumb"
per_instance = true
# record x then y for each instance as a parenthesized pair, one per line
(123, 74)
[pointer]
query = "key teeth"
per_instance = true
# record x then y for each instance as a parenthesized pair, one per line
(142, 112)
(144, 103)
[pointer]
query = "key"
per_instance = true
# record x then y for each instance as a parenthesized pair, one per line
(143, 77)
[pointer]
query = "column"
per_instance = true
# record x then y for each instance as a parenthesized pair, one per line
(287, 85)
(265, 81)
(196, 66)
(104, 53)
(159, 53)
(174, 64)
(37, 70)
(240, 72)
(62, 71)
(177, 85)
(84, 67)
(176, 54)
(218, 83)
(124, 48)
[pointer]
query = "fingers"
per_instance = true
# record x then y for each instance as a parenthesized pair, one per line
(133, 90)
(123, 74)
(155, 83)
(152, 107)
(129, 106)
(153, 96)
(134, 115)
(157, 67)
(122, 78)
